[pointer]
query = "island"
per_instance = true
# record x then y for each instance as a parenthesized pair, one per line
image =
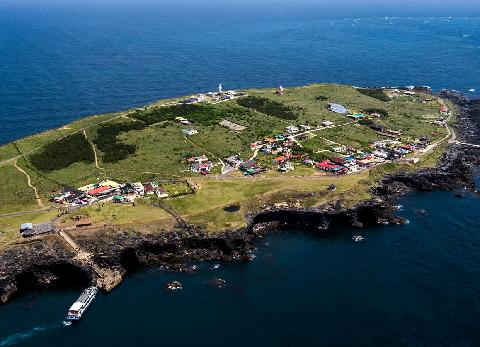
(200, 177)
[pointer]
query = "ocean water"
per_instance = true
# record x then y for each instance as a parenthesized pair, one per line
(416, 284)
(60, 63)
(413, 285)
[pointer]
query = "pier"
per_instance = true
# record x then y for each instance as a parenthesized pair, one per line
(466, 144)
(107, 279)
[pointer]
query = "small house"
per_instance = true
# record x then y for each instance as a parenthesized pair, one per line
(202, 167)
(234, 160)
(26, 229)
(327, 165)
(189, 132)
(286, 167)
(292, 129)
(182, 120)
(148, 189)
(256, 145)
(381, 154)
(338, 160)
(444, 110)
(339, 149)
(139, 188)
(162, 193)
(119, 199)
(249, 164)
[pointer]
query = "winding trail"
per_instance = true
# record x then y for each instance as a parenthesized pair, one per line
(120, 115)
(29, 183)
(94, 152)
(61, 138)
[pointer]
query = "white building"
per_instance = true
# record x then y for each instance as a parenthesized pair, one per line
(292, 129)
(189, 132)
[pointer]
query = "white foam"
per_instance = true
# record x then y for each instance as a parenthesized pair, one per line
(26, 335)
(472, 90)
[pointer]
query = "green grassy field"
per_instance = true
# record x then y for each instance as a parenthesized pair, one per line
(158, 149)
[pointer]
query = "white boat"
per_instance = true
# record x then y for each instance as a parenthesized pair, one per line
(79, 307)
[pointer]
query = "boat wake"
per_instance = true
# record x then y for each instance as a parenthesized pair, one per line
(26, 335)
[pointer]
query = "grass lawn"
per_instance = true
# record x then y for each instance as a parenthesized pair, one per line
(15, 194)
(250, 193)
(10, 226)
(120, 214)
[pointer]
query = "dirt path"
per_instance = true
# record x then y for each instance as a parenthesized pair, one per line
(94, 152)
(29, 182)
(61, 138)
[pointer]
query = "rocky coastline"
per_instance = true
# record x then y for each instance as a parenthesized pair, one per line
(44, 264)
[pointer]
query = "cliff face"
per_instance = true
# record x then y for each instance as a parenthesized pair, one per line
(38, 265)
(46, 263)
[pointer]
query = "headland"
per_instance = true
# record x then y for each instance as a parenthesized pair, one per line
(201, 177)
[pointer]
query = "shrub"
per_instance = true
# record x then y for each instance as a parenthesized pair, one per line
(366, 122)
(203, 114)
(60, 154)
(114, 150)
(374, 93)
(321, 98)
(270, 107)
(380, 111)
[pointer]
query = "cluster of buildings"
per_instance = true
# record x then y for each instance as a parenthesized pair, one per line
(108, 191)
(215, 97)
(394, 149)
(346, 159)
(30, 229)
(186, 131)
(200, 164)
(352, 160)
(251, 167)
(193, 99)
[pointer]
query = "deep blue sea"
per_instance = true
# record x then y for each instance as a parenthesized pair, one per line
(58, 64)
(417, 284)
(411, 285)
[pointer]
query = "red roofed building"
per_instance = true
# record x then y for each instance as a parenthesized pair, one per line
(327, 165)
(99, 190)
(338, 160)
(444, 110)
(148, 188)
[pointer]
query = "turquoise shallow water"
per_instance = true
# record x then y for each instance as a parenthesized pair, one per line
(415, 284)
(403, 285)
